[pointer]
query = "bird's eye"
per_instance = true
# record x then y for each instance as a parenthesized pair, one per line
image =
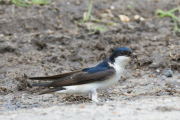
(122, 52)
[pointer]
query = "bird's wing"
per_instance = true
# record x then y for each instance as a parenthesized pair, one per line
(81, 77)
(55, 77)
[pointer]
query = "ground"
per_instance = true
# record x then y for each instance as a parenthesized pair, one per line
(51, 39)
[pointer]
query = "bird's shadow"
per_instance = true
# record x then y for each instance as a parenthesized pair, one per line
(75, 99)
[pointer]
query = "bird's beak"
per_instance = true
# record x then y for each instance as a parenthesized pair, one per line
(134, 55)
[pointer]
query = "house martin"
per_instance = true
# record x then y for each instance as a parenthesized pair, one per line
(89, 80)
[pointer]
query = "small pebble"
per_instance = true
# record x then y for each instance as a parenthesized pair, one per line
(124, 18)
(158, 70)
(168, 90)
(68, 3)
(1, 35)
(163, 77)
(168, 73)
(142, 19)
(138, 17)
(112, 7)
(81, 106)
(129, 91)
(54, 103)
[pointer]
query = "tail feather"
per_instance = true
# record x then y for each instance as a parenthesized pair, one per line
(41, 84)
(55, 77)
(45, 78)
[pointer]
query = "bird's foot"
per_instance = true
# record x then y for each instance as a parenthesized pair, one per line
(93, 96)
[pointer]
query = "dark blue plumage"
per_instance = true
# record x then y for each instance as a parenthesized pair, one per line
(122, 51)
(104, 65)
(100, 67)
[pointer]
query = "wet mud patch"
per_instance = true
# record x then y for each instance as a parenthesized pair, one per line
(7, 49)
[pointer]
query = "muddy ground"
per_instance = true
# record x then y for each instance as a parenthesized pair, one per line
(50, 39)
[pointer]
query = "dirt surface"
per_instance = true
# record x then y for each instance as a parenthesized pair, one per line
(50, 39)
(152, 108)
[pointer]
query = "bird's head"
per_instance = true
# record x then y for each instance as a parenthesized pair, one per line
(121, 56)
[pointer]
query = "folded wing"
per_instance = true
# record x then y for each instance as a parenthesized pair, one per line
(54, 77)
(75, 78)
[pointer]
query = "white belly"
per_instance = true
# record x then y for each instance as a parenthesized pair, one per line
(87, 88)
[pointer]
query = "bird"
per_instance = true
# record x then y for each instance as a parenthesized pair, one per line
(89, 80)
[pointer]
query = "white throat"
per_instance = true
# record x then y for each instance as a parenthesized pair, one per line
(119, 65)
(122, 61)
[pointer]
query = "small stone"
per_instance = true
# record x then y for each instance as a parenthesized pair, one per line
(54, 103)
(168, 73)
(129, 91)
(124, 18)
(1, 35)
(136, 17)
(112, 7)
(142, 19)
(81, 106)
(163, 78)
(115, 90)
(168, 90)
(68, 3)
(114, 112)
(158, 70)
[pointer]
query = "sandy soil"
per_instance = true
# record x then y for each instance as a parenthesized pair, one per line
(49, 39)
(153, 108)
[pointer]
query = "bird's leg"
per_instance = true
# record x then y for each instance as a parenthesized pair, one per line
(93, 95)
(90, 95)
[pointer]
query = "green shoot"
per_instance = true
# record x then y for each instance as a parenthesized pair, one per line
(100, 28)
(87, 15)
(161, 13)
(20, 3)
(131, 6)
(39, 2)
(24, 3)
